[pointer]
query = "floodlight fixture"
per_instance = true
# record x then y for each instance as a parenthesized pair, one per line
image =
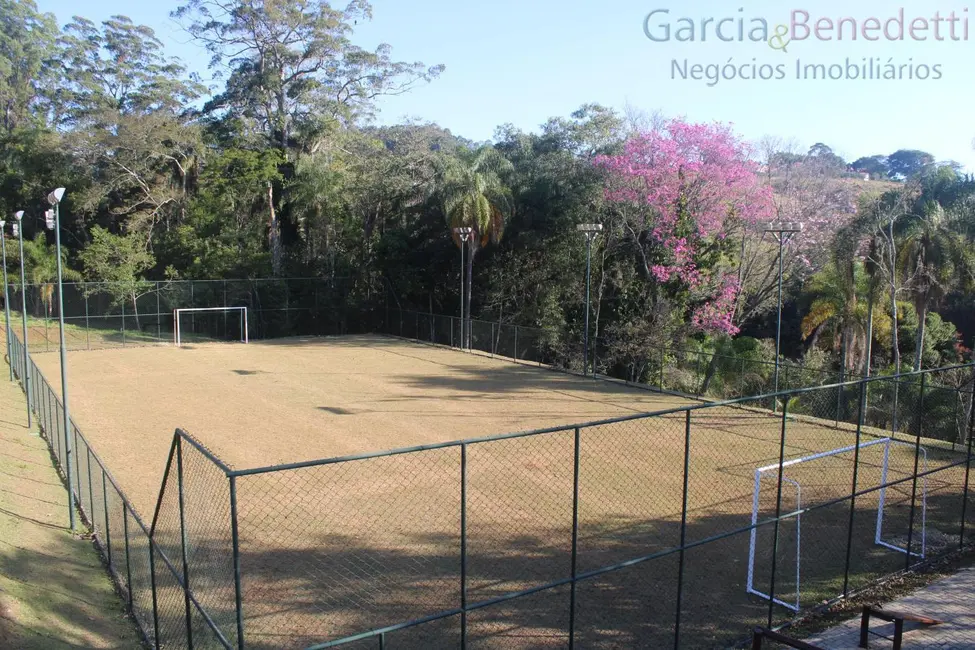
(55, 196)
(784, 226)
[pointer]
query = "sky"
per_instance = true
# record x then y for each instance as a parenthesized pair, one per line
(523, 61)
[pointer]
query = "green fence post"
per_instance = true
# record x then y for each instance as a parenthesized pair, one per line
(238, 593)
(128, 563)
(968, 468)
(575, 538)
(683, 528)
(661, 368)
(158, 315)
(778, 509)
(463, 546)
(917, 456)
(87, 324)
(516, 342)
(108, 525)
(853, 491)
(183, 542)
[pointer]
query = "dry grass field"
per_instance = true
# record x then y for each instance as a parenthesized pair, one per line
(332, 550)
(290, 400)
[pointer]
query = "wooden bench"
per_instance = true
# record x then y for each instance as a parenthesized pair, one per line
(761, 633)
(891, 616)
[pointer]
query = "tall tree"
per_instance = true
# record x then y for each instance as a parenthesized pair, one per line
(907, 163)
(683, 188)
(27, 52)
(840, 303)
(120, 261)
(933, 259)
(123, 103)
(875, 165)
(474, 195)
(292, 64)
(117, 69)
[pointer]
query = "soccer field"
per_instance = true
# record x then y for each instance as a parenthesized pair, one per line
(291, 400)
(332, 550)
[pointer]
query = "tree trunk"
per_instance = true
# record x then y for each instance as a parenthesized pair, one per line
(814, 339)
(868, 350)
(135, 310)
(274, 234)
(893, 305)
(709, 374)
(600, 286)
(922, 317)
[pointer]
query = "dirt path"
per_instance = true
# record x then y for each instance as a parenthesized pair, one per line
(54, 592)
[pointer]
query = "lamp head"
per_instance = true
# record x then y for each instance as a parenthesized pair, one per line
(19, 215)
(784, 227)
(464, 233)
(55, 196)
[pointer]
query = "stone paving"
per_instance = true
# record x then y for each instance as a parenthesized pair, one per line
(951, 600)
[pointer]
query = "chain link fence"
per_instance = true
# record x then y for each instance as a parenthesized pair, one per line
(683, 527)
(101, 315)
(688, 372)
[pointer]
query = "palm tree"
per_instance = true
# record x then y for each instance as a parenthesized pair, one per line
(41, 269)
(839, 290)
(933, 259)
(472, 191)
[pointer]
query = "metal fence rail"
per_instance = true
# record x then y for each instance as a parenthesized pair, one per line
(449, 544)
(140, 569)
(291, 554)
(634, 530)
(105, 315)
(688, 372)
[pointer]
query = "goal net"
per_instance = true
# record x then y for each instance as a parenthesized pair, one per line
(883, 464)
(198, 324)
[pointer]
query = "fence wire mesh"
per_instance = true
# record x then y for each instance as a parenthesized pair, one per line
(101, 315)
(688, 372)
(682, 527)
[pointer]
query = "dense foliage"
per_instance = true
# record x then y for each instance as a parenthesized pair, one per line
(282, 172)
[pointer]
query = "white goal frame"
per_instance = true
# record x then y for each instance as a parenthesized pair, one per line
(797, 513)
(177, 335)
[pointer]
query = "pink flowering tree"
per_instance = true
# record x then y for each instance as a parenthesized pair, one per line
(683, 190)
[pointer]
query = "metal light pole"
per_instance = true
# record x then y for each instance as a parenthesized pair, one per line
(464, 234)
(781, 230)
(19, 228)
(590, 231)
(52, 219)
(6, 301)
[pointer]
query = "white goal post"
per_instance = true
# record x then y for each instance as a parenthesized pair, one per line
(177, 329)
(796, 514)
